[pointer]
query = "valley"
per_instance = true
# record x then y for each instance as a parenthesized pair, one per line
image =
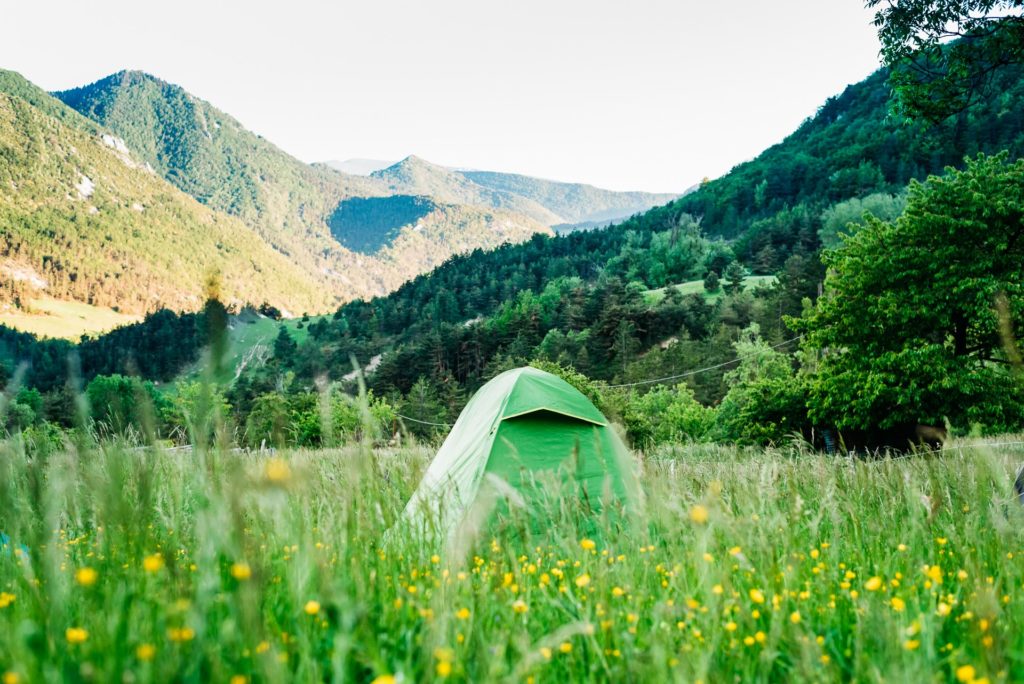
(285, 399)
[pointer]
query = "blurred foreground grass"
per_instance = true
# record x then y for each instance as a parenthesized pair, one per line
(131, 565)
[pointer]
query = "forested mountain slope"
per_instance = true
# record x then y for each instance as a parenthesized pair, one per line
(853, 146)
(770, 210)
(212, 157)
(83, 219)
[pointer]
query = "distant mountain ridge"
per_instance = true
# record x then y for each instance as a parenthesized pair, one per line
(555, 203)
(415, 176)
(572, 202)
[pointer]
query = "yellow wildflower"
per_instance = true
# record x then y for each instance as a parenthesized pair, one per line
(756, 596)
(873, 584)
(384, 679)
(965, 673)
(145, 652)
(11, 678)
(462, 614)
(898, 604)
(277, 471)
(76, 635)
(86, 576)
(178, 634)
(311, 607)
(588, 545)
(699, 514)
(911, 644)
(565, 647)
(794, 617)
(583, 580)
(241, 571)
(520, 606)
(153, 563)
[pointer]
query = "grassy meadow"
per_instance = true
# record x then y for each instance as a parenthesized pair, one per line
(143, 564)
(49, 317)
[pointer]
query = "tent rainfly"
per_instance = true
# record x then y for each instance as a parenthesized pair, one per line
(520, 425)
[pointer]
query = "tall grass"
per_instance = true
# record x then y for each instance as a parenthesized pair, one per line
(140, 564)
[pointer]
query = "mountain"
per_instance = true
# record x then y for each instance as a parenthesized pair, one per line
(574, 203)
(304, 211)
(550, 202)
(358, 167)
(578, 298)
(83, 219)
(212, 157)
(415, 176)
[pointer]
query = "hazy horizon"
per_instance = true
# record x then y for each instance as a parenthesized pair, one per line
(651, 100)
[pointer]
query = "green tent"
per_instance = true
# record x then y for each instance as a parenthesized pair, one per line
(521, 428)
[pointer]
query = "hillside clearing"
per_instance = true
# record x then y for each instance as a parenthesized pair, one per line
(48, 317)
(697, 287)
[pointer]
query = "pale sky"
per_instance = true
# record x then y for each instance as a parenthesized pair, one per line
(623, 94)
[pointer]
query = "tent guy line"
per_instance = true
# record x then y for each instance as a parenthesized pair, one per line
(423, 422)
(703, 370)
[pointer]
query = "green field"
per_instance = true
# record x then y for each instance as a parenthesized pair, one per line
(250, 340)
(697, 287)
(147, 565)
(48, 317)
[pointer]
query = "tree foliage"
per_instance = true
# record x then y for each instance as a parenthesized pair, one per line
(909, 330)
(944, 53)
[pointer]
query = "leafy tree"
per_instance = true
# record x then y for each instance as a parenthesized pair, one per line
(712, 282)
(425, 408)
(355, 419)
(285, 347)
(908, 331)
(197, 409)
(267, 422)
(847, 216)
(766, 400)
(666, 415)
(734, 276)
(121, 404)
(943, 52)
